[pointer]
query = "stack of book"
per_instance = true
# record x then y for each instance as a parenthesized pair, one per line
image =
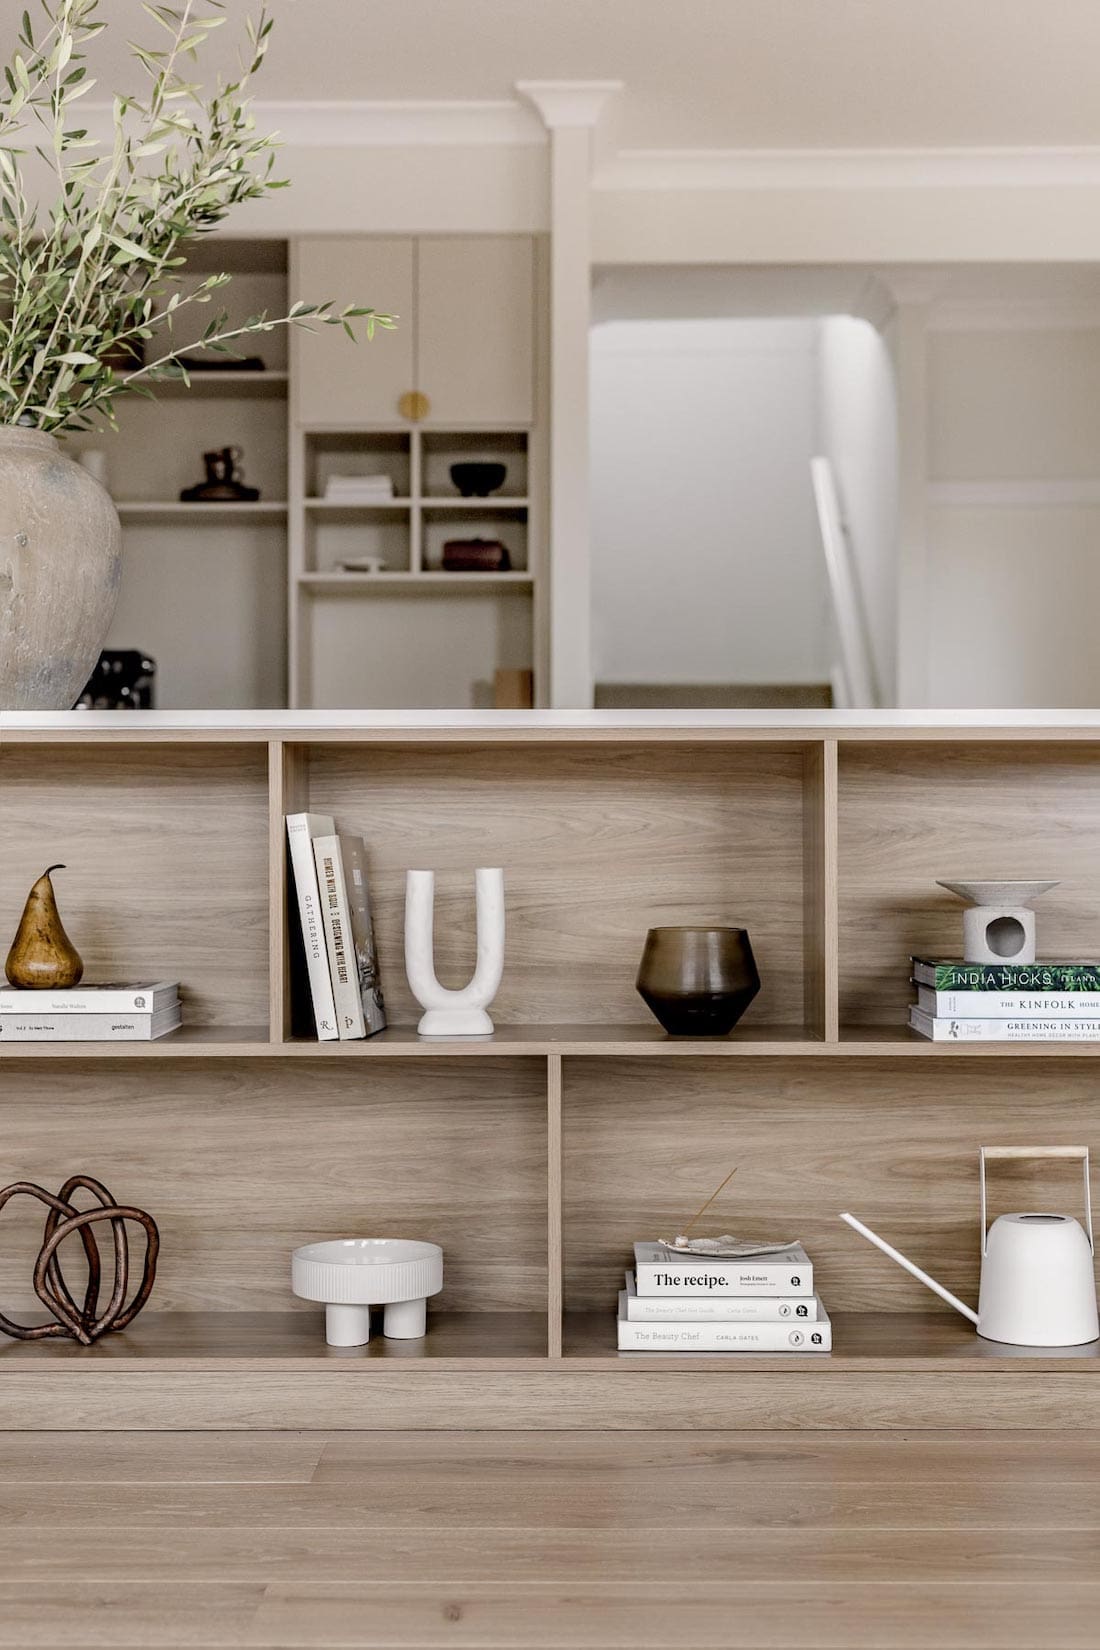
(677, 1302)
(1040, 1002)
(90, 1014)
(359, 489)
(333, 951)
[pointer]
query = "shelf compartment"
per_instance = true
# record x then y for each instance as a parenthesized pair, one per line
(508, 525)
(440, 449)
(333, 536)
(292, 1341)
(242, 1161)
(359, 453)
(167, 855)
(899, 1343)
(910, 813)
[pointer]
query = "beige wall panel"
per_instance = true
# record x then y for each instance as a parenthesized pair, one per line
(336, 381)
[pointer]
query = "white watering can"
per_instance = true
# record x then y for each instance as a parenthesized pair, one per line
(1037, 1286)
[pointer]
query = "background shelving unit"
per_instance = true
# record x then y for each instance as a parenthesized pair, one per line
(537, 1156)
(243, 605)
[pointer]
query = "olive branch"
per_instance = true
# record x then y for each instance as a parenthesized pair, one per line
(101, 268)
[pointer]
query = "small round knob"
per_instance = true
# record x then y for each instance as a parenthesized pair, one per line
(414, 406)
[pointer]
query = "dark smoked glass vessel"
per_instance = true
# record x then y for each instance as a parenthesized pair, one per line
(698, 981)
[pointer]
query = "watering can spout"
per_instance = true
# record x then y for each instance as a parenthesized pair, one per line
(922, 1277)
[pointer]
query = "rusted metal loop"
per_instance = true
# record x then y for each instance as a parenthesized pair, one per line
(67, 1322)
(58, 1286)
(114, 1317)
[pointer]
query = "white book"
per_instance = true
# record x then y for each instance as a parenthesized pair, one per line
(333, 894)
(300, 831)
(717, 1309)
(724, 1337)
(92, 999)
(1004, 1031)
(659, 1272)
(1008, 1005)
(89, 1028)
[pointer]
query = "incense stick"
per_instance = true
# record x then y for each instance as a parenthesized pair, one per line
(708, 1203)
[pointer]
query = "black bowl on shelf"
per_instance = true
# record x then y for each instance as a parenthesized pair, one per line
(477, 479)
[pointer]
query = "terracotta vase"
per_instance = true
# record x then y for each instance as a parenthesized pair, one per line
(698, 981)
(60, 567)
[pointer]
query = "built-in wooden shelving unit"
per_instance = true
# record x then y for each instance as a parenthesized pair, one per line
(535, 1157)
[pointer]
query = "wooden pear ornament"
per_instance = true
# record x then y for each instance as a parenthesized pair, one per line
(42, 956)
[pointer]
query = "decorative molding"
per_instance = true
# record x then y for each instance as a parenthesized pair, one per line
(1026, 495)
(507, 122)
(569, 102)
(778, 169)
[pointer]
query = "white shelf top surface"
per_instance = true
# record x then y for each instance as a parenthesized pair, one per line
(820, 723)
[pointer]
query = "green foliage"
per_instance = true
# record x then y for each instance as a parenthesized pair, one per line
(102, 267)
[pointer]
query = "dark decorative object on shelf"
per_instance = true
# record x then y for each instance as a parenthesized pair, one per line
(698, 981)
(121, 680)
(84, 1323)
(42, 956)
(221, 363)
(477, 479)
(475, 556)
(223, 484)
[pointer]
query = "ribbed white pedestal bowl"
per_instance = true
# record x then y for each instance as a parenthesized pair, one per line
(350, 1275)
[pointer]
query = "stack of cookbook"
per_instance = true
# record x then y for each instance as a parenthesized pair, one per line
(90, 1013)
(761, 1300)
(333, 953)
(1039, 1002)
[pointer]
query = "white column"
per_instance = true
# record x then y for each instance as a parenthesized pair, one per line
(914, 297)
(571, 111)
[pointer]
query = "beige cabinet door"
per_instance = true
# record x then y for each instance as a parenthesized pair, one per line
(475, 329)
(336, 381)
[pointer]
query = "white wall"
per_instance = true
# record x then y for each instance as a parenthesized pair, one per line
(706, 567)
(1013, 537)
(858, 433)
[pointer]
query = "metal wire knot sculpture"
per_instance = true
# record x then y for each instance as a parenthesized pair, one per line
(84, 1323)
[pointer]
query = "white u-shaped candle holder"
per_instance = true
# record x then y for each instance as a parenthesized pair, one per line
(454, 1013)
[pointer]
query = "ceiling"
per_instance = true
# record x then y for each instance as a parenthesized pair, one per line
(703, 73)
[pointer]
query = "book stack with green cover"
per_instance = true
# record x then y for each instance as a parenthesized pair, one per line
(1039, 1002)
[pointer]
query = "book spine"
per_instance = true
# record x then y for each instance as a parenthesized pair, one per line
(959, 976)
(97, 1002)
(656, 1280)
(333, 894)
(649, 1309)
(1004, 1031)
(85, 1028)
(313, 938)
(718, 1337)
(362, 934)
(1008, 1005)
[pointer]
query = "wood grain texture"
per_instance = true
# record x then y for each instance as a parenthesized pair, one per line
(909, 815)
(895, 1142)
(819, 828)
(954, 1539)
(597, 846)
(167, 862)
(553, 1204)
(239, 1162)
(424, 1395)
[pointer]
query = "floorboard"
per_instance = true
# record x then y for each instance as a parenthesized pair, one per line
(544, 1541)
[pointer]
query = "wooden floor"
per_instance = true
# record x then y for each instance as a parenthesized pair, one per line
(761, 1540)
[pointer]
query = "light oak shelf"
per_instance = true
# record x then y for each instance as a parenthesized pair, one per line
(536, 1156)
(883, 1342)
(609, 1042)
(292, 1341)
